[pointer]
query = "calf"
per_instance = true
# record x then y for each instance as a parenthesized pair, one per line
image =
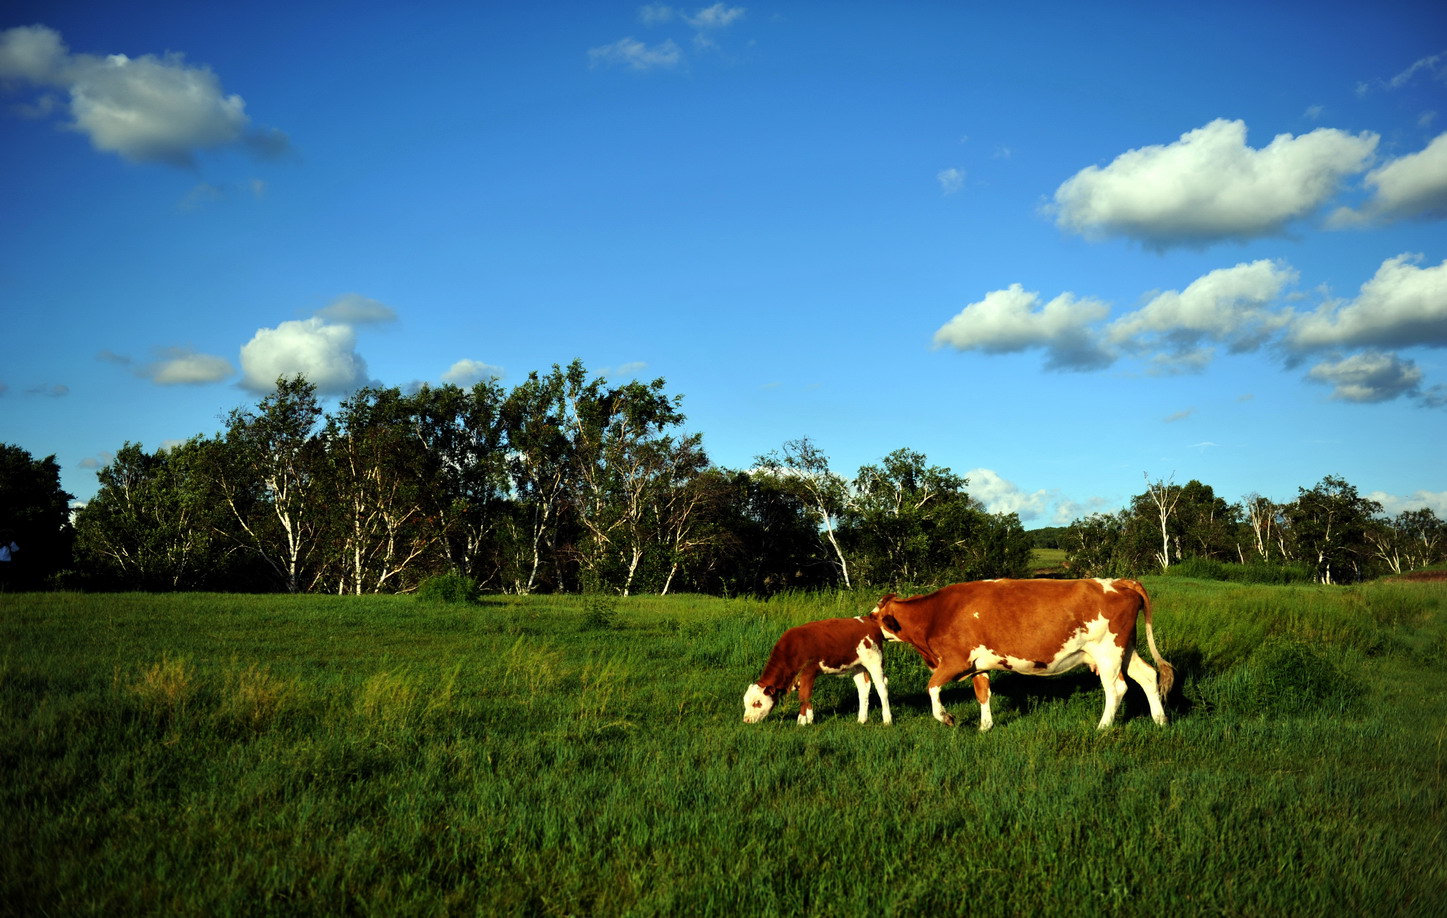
(1036, 627)
(842, 646)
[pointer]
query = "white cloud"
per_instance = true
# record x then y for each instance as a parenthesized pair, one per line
(325, 354)
(145, 109)
(1401, 306)
(1436, 501)
(1413, 186)
(355, 309)
(467, 373)
(1210, 186)
(1369, 377)
(1229, 306)
(717, 16)
(185, 367)
(951, 180)
(636, 55)
(1002, 496)
(655, 14)
(1011, 320)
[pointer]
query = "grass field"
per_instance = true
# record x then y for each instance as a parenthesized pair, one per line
(218, 754)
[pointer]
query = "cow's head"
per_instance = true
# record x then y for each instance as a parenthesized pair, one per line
(887, 622)
(758, 702)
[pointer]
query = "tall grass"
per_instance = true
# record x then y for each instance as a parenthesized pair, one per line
(325, 755)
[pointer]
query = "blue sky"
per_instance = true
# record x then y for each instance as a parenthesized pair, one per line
(1057, 248)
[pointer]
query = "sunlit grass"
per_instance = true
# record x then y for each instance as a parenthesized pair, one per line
(208, 754)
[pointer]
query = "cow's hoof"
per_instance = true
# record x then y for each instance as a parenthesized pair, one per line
(947, 719)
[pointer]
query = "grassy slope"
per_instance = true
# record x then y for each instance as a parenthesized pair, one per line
(209, 754)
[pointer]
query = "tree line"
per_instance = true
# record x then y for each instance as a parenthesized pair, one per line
(564, 482)
(1329, 534)
(567, 483)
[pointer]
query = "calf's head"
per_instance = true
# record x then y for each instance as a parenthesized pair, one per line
(758, 702)
(887, 622)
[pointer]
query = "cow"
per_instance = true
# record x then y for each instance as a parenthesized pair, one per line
(842, 646)
(1037, 627)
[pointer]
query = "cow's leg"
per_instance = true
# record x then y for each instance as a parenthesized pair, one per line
(1145, 676)
(945, 673)
(874, 666)
(861, 683)
(806, 689)
(1108, 659)
(982, 695)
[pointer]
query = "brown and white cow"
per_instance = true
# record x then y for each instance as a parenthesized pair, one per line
(1037, 627)
(843, 646)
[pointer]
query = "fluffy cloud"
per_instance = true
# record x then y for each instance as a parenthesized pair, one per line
(1413, 186)
(634, 54)
(1230, 306)
(145, 109)
(185, 367)
(466, 373)
(1210, 185)
(325, 354)
(1436, 501)
(1011, 320)
(1370, 377)
(1401, 306)
(1002, 496)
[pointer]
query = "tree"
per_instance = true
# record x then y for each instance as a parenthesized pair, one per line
(151, 525)
(378, 476)
(1328, 528)
(1413, 540)
(1163, 496)
(623, 456)
(1094, 545)
(804, 469)
(909, 522)
(540, 465)
(465, 435)
(266, 472)
(35, 516)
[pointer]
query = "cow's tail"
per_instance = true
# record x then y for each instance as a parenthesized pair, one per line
(1167, 671)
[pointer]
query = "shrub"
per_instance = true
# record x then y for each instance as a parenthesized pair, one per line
(1207, 569)
(448, 588)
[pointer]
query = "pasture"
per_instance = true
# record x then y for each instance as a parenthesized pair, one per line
(204, 754)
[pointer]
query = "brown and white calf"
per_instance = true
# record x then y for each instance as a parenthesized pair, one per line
(842, 646)
(1036, 627)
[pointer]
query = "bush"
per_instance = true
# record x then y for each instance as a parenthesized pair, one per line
(448, 588)
(1206, 569)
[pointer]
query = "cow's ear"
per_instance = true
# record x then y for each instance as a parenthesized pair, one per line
(887, 598)
(771, 690)
(890, 622)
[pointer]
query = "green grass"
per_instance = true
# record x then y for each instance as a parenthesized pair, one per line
(218, 754)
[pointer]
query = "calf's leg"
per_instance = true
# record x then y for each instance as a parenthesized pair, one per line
(982, 695)
(861, 683)
(806, 689)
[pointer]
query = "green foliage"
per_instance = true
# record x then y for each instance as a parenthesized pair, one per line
(1208, 569)
(34, 516)
(453, 588)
